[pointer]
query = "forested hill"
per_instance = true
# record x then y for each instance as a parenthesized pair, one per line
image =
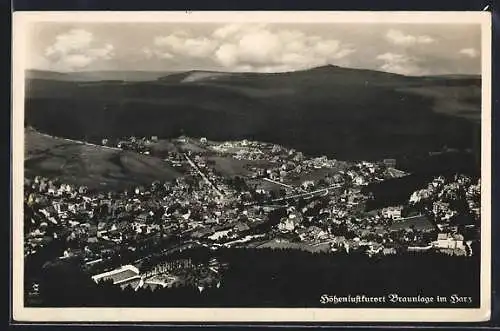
(340, 112)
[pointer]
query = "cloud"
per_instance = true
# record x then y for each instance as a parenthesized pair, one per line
(76, 49)
(151, 53)
(470, 52)
(181, 44)
(400, 64)
(399, 38)
(246, 47)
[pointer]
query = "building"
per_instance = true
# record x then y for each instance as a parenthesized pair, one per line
(392, 212)
(307, 184)
(120, 275)
(288, 224)
(389, 251)
(448, 241)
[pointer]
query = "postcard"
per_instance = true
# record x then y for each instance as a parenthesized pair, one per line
(251, 166)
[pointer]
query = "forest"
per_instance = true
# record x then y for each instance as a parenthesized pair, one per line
(278, 278)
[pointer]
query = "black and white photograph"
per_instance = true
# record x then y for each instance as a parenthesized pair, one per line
(264, 166)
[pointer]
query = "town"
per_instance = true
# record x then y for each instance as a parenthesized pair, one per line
(240, 194)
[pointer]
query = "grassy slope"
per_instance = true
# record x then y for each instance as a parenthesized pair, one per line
(89, 165)
(87, 76)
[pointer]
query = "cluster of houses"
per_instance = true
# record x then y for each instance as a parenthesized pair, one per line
(140, 145)
(203, 207)
(384, 230)
(164, 275)
(92, 223)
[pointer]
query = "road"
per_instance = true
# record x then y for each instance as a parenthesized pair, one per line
(205, 178)
(325, 191)
(79, 142)
(277, 183)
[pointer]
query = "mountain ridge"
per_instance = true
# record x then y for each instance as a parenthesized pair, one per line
(40, 72)
(344, 113)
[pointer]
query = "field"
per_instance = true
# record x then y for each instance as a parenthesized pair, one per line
(317, 174)
(90, 165)
(273, 244)
(230, 167)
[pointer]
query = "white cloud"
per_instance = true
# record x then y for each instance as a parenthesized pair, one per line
(75, 49)
(181, 44)
(151, 53)
(400, 64)
(400, 38)
(256, 47)
(470, 52)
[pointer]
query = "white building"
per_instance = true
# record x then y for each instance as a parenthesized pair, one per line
(119, 275)
(288, 224)
(392, 212)
(448, 241)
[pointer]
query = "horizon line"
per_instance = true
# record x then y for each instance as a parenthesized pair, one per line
(249, 72)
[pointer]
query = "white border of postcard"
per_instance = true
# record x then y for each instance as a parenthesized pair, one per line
(21, 21)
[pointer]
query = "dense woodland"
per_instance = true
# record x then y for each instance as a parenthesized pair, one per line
(422, 169)
(343, 113)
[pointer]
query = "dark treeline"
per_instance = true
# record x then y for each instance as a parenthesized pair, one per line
(445, 163)
(278, 278)
(423, 169)
(395, 191)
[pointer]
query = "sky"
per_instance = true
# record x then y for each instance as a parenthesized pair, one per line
(408, 49)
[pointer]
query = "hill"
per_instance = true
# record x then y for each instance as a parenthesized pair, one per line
(90, 165)
(344, 113)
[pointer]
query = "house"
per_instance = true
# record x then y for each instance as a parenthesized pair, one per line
(448, 241)
(142, 217)
(307, 184)
(287, 225)
(392, 212)
(389, 251)
(302, 232)
(219, 234)
(139, 190)
(317, 233)
(417, 196)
